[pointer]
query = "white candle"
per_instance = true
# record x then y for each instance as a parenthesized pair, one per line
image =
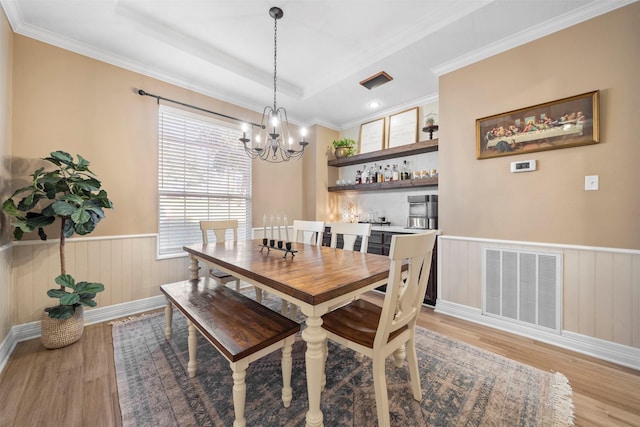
(271, 227)
(286, 229)
(264, 226)
(279, 236)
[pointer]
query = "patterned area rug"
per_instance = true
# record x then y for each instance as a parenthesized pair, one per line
(462, 385)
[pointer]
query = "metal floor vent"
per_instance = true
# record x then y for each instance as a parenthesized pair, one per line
(376, 80)
(523, 286)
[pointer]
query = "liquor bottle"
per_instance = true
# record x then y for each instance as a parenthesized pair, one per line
(373, 173)
(387, 173)
(395, 174)
(358, 177)
(406, 172)
(366, 179)
(380, 174)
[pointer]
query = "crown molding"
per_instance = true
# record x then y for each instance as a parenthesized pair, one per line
(562, 22)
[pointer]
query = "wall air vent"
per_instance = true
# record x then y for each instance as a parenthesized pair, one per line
(376, 80)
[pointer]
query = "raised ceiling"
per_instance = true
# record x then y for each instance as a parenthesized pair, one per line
(224, 49)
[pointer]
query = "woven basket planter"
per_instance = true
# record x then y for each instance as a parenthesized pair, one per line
(61, 333)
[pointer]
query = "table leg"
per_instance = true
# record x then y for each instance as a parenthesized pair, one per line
(314, 336)
(168, 318)
(193, 268)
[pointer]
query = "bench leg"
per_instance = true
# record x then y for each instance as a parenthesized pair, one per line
(193, 344)
(239, 391)
(259, 295)
(287, 363)
(168, 318)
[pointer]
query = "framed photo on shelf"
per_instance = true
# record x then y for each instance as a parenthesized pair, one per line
(403, 128)
(372, 136)
(567, 122)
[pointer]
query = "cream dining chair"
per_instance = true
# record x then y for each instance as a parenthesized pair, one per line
(303, 232)
(350, 233)
(220, 229)
(378, 332)
(308, 232)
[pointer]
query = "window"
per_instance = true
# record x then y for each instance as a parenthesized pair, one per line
(203, 173)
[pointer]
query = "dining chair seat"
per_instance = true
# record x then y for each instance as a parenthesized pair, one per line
(357, 322)
(377, 332)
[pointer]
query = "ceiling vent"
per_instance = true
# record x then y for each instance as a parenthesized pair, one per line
(376, 80)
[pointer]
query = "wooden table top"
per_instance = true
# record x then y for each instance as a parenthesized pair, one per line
(315, 275)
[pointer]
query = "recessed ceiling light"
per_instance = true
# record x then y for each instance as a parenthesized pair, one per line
(374, 104)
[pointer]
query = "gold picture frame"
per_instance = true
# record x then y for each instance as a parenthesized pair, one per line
(567, 122)
(403, 128)
(372, 136)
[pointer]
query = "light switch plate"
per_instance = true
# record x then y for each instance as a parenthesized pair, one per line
(523, 166)
(591, 182)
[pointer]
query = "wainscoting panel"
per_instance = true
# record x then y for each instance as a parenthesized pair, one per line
(601, 286)
(5, 294)
(126, 265)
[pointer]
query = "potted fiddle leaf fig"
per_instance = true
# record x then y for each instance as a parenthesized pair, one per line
(70, 193)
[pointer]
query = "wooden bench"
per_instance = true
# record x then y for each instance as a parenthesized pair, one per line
(240, 328)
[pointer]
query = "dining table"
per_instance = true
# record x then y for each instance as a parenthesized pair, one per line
(315, 278)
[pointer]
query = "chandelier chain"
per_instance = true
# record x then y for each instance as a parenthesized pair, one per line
(275, 62)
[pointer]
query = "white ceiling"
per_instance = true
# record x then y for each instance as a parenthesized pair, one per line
(224, 48)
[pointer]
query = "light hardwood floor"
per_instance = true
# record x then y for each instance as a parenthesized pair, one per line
(75, 386)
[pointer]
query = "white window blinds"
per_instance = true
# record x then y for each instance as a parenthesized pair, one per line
(203, 174)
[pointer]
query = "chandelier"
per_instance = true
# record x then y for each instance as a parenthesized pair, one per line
(273, 142)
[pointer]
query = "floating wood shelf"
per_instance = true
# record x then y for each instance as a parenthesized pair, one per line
(389, 153)
(389, 185)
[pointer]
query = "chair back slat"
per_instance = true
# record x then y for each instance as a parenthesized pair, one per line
(350, 233)
(404, 296)
(219, 229)
(308, 231)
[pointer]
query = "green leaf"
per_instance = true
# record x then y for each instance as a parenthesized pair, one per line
(72, 198)
(70, 299)
(35, 220)
(68, 229)
(88, 302)
(18, 233)
(80, 216)
(85, 228)
(30, 201)
(9, 207)
(83, 164)
(56, 293)
(42, 234)
(61, 157)
(63, 208)
(89, 288)
(66, 280)
(61, 311)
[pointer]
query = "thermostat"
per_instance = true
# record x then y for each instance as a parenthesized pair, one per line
(523, 166)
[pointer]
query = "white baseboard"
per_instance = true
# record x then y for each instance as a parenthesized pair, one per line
(27, 331)
(601, 349)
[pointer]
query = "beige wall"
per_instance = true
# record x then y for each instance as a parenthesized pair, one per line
(71, 102)
(481, 198)
(482, 204)
(6, 60)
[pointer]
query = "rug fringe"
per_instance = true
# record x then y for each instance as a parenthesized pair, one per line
(133, 318)
(563, 415)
